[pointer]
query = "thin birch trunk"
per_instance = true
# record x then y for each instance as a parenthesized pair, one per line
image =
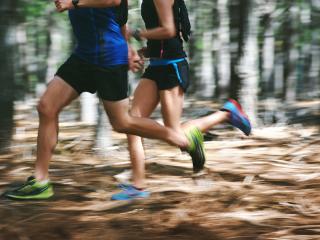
(207, 70)
(224, 58)
(249, 68)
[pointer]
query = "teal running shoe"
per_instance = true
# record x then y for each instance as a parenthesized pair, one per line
(238, 118)
(130, 192)
(196, 148)
(31, 190)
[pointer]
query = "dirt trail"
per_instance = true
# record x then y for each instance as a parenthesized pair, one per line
(262, 187)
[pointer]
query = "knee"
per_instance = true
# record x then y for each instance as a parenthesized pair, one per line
(121, 126)
(135, 113)
(46, 110)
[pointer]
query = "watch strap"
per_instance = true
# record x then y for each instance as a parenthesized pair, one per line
(75, 3)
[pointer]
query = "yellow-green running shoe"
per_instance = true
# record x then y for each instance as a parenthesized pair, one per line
(31, 190)
(196, 148)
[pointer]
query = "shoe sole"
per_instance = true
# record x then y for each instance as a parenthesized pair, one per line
(198, 165)
(42, 196)
(133, 198)
(242, 116)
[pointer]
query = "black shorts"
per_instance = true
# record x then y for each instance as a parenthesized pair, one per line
(167, 77)
(111, 83)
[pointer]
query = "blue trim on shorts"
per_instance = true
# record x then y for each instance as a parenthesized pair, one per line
(164, 62)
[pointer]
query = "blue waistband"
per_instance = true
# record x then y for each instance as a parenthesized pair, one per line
(163, 62)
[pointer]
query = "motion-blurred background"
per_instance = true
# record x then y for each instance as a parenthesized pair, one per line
(264, 53)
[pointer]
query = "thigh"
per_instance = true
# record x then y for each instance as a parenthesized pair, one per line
(112, 82)
(78, 74)
(169, 76)
(163, 76)
(117, 111)
(145, 98)
(58, 95)
(172, 106)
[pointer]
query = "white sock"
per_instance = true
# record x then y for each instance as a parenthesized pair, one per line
(43, 182)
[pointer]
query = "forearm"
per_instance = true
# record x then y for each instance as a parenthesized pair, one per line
(167, 28)
(98, 3)
(64, 5)
(158, 33)
(124, 31)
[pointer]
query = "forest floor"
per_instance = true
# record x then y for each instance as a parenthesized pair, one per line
(265, 186)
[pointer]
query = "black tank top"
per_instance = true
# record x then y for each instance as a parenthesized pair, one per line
(169, 48)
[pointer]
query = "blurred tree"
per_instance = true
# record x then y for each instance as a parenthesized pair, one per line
(8, 16)
(239, 11)
(284, 58)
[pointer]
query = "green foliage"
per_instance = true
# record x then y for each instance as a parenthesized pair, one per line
(34, 9)
(294, 28)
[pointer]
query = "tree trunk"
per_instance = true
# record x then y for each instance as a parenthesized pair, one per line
(8, 12)
(207, 70)
(268, 58)
(248, 67)
(239, 16)
(314, 73)
(224, 58)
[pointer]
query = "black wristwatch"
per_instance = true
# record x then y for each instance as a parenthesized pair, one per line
(136, 35)
(75, 3)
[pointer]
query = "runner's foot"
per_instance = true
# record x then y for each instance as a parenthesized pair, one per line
(196, 148)
(238, 118)
(129, 192)
(31, 190)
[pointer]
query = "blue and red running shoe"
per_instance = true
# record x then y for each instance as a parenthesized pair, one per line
(129, 192)
(238, 118)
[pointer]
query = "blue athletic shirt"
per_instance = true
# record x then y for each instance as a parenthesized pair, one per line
(99, 38)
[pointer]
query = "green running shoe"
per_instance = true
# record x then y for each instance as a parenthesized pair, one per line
(196, 148)
(31, 190)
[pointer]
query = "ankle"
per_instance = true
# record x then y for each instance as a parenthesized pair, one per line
(139, 186)
(225, 115)
(41, 178)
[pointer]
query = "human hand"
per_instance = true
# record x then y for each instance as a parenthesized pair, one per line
(63, 5)
(143, 52)
(136, 63)
(136, 34)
